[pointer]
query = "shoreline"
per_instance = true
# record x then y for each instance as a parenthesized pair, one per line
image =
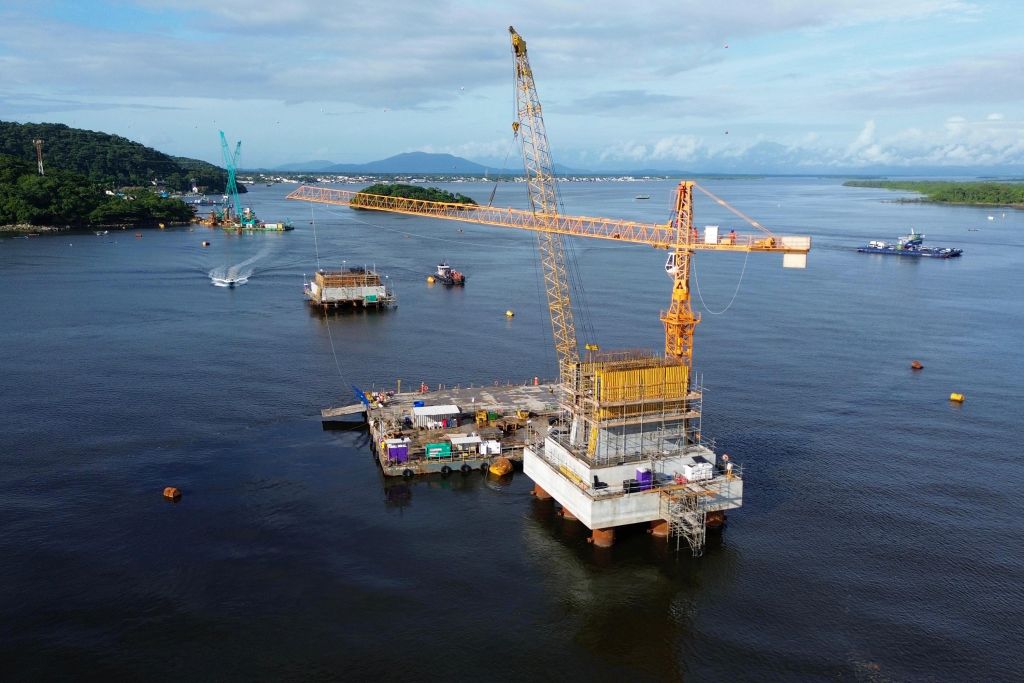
(22, 228)
(926, 200)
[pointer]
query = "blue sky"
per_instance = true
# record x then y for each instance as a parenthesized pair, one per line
(734, 85)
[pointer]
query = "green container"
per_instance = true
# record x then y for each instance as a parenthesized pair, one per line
(371, 298)
(493, 416)
(439, 450)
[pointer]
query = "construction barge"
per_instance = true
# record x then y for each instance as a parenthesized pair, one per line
(460, 429)
(354, 287)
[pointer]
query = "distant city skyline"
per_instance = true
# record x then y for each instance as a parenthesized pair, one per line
(773, 86)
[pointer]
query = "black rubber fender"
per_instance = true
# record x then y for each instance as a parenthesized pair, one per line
(466, 469)
(407, 473)
(484, 467)
(445, 471)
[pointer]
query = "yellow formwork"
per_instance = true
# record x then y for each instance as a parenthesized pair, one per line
(657, 383)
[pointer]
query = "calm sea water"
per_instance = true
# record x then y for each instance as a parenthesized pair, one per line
(881, 537)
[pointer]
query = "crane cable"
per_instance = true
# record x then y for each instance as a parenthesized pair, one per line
(722, 202)
(327, 320)
(504, 165)
(696, 285)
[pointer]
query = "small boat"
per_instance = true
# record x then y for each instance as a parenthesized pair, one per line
(228, 281)
(643, 196)
(909, 245)
(447, 275)
(100, 233)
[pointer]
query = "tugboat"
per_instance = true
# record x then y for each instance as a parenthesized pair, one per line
(447, 275)
(909, 245)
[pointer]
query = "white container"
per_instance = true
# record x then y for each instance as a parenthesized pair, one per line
(710, 234)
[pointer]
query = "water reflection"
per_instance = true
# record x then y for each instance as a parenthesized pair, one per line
(634, 604)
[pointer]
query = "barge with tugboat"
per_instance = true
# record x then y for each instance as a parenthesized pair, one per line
(909, 245)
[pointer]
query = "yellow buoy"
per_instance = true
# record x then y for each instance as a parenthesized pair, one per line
(500, 467)
(510, 313)
(430, 279)
(956, 398)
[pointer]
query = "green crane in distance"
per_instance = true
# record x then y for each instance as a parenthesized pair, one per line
(245, 219)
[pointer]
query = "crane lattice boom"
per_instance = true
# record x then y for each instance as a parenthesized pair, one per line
(543, 191)
(658, 235)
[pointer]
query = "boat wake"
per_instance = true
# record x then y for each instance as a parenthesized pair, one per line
(228, 281)
(238, 274)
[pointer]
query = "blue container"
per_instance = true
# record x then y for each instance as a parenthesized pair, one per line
(417, 404)
(645, 478)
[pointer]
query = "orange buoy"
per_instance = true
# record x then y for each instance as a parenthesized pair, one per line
(536, 381)
(916, 365)
(172, 493)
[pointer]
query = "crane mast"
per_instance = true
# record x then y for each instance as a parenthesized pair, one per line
(680, 321)
(540, 178)
(230, 163)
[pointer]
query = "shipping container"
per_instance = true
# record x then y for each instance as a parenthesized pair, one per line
(439, 450)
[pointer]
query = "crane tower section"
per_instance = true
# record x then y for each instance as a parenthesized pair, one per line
(543, 191)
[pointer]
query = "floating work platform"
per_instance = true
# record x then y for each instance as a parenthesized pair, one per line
(457, 429)
(351, 288)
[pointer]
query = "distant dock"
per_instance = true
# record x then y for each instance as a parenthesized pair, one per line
(458, 429)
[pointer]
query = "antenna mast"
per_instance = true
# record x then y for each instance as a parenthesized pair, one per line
(39, 155)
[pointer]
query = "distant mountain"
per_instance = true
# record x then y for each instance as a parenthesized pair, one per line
(300, 166)
(423, 163)
(415, 162)
(108, 159)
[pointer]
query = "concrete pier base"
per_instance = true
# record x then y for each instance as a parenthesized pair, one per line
(540, 494)
(603, 538)
(659, 528)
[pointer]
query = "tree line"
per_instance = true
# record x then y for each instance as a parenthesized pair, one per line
(953, 192)
(433, 194)
(65, 198)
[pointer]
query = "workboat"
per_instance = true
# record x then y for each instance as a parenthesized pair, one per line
(909, 245)
(643, 196)
(447, 275)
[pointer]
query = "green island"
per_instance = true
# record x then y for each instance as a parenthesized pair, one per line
(111, 160)
(980, 193)
(432, 194)
(61, 199)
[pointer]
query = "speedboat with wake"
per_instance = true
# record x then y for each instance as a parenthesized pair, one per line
(228, 281)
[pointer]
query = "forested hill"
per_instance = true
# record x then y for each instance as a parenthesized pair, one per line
(65, 198)
(111, 160)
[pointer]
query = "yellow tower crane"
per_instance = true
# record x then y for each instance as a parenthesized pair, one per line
(626, 408)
